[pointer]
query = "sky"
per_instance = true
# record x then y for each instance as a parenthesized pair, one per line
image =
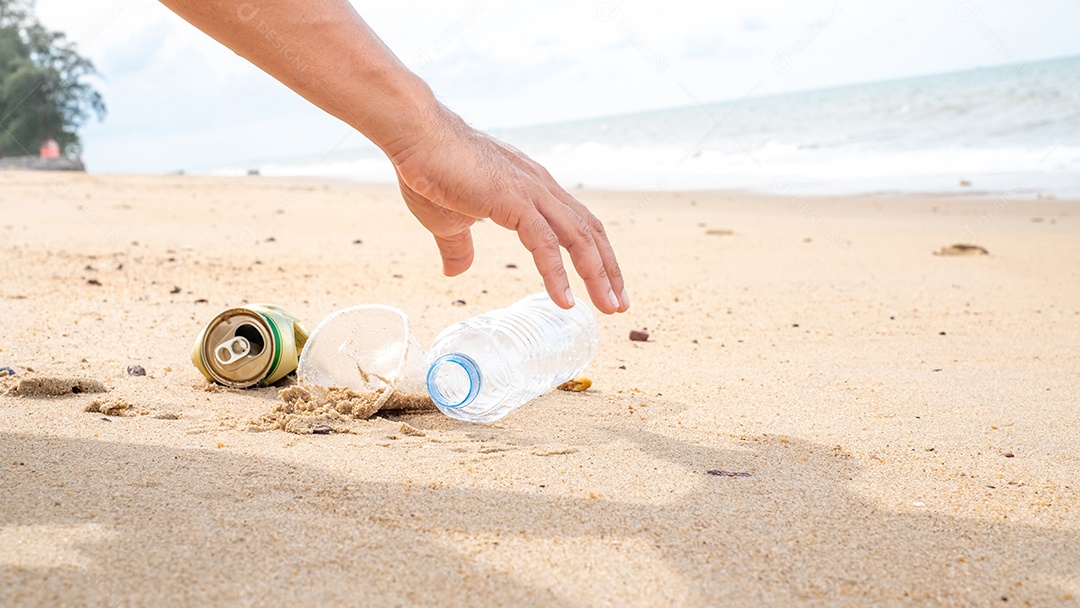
(178, 100)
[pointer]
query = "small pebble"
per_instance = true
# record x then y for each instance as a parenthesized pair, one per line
(321, 430)
(6, 371)
(1008, 455)
(459, 302)
(136, 370)
(175, 289)
(202, 301)
(639, 336)
(358, 242)
(919, 504)
(93, 282)
(511, 265)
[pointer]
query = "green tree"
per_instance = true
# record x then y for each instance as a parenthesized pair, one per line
(44, 93)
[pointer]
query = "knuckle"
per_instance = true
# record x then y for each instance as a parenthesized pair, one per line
(458, 258)
(614, 272)
(597, 227)
(582, 234)
(595, 271)
(545, 236)
(558, 273)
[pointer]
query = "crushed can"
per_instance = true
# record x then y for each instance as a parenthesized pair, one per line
(251, 345)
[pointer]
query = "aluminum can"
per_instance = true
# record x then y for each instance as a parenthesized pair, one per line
(251, 345)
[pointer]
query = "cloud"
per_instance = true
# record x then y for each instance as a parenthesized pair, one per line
(140, 52)
(752, 24)
(703, 47)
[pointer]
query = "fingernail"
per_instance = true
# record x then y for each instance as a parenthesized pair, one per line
(569, 297)
(624, 299)
(612, 298)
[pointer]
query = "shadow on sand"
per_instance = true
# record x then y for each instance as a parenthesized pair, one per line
(793, 531)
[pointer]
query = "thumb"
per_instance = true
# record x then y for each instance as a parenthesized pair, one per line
(456, 251)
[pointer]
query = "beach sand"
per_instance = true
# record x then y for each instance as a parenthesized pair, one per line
(825, 412)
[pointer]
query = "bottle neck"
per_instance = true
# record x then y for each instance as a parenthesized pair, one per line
(453, 380)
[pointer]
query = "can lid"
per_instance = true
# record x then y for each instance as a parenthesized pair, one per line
(238, 348)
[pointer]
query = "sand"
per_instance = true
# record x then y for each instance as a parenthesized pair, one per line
(322, 410)
(825, 412)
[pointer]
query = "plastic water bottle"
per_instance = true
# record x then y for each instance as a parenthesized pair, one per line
(482, 368)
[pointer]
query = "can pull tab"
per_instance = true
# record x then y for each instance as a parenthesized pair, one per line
(232, 350)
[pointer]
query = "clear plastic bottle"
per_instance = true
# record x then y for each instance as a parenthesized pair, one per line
(482, 368)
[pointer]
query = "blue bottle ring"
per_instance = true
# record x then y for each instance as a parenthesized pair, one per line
(471, 369)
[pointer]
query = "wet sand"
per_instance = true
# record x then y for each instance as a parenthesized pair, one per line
(825, 411)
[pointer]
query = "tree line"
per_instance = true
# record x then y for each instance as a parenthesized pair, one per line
(44, 88)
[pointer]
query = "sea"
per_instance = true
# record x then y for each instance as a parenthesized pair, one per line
(1009, 129)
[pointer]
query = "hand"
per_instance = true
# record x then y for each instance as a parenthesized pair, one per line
(455, 174)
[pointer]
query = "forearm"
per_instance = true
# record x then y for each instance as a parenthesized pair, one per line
(324, 51)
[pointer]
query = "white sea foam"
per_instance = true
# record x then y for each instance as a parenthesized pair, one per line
(987, 130)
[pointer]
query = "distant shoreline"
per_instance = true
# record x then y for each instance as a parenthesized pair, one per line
(36, 163)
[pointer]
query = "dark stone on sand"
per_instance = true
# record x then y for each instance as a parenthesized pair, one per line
(638, 335)
(961, 249)
(136, 370)
(719, 473)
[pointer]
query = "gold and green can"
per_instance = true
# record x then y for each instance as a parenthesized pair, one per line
(250, 345)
